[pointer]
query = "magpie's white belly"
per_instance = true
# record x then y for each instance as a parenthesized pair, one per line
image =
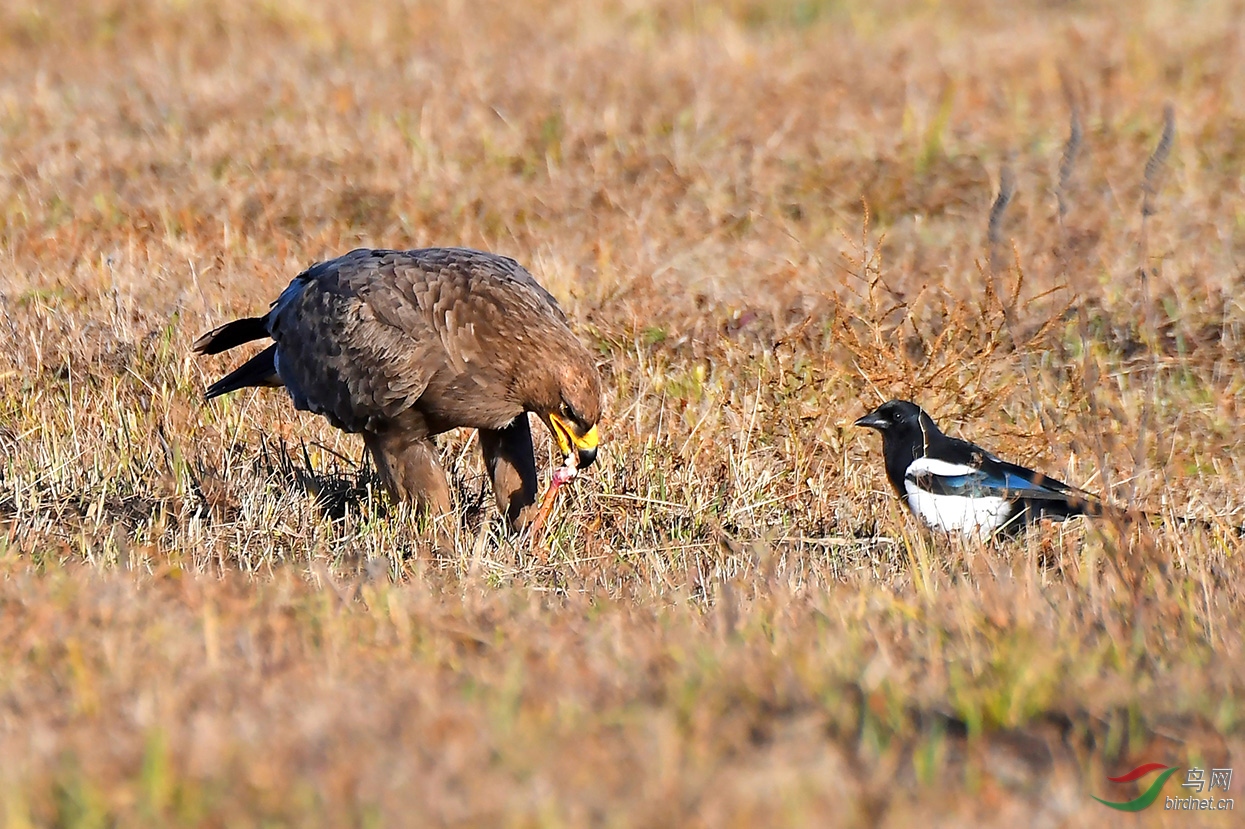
(975, 517)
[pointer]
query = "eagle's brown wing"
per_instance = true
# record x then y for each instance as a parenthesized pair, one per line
(363, 338)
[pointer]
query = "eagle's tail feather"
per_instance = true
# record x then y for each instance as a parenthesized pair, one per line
(260, 370)
(230, 334)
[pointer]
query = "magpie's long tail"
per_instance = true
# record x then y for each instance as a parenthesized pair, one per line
(231, 334)
(1063, 506)
(1071, 506)
(260, 370)
(1154, 519)
(1198, 523)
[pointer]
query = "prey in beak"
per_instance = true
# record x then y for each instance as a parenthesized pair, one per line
(579, 447)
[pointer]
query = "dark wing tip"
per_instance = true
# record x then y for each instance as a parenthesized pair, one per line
(201, 345)
(260, 370)
(231, 334)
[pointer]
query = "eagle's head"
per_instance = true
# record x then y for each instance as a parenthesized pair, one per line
(572, 408)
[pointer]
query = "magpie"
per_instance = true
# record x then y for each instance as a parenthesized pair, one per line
(958, 487)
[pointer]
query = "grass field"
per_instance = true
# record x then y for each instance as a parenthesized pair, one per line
(765, 217)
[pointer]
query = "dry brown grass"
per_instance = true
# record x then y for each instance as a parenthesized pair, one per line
(208, 618)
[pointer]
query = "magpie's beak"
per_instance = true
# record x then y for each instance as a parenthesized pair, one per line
(873, 421)
(570, 440)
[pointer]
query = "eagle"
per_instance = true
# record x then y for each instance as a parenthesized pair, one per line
(400, 346)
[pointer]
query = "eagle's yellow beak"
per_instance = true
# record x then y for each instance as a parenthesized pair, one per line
(569, 439)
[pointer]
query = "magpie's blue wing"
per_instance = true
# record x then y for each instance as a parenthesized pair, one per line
(985, 476)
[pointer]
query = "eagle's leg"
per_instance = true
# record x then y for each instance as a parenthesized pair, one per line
(512, 468)
(410, 470)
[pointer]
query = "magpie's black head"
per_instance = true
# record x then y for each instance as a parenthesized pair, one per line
(907, 434)
(900, 420)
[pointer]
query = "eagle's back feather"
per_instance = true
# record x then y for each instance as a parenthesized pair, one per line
(369, 335)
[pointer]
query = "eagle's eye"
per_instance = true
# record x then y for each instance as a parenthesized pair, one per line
(567, 412)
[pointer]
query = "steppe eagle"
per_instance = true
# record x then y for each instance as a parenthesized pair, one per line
(400, 346)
